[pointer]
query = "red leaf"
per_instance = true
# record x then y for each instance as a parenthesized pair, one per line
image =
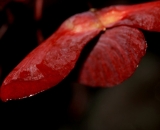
(145, 16)
(114, 58)
(51, 62)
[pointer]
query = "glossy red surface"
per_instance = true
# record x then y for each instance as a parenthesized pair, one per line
(52, 61)
(114, 58)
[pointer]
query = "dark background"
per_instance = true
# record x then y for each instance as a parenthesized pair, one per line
(132, 105)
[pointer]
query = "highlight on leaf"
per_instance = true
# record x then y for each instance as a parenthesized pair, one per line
(144, 16)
